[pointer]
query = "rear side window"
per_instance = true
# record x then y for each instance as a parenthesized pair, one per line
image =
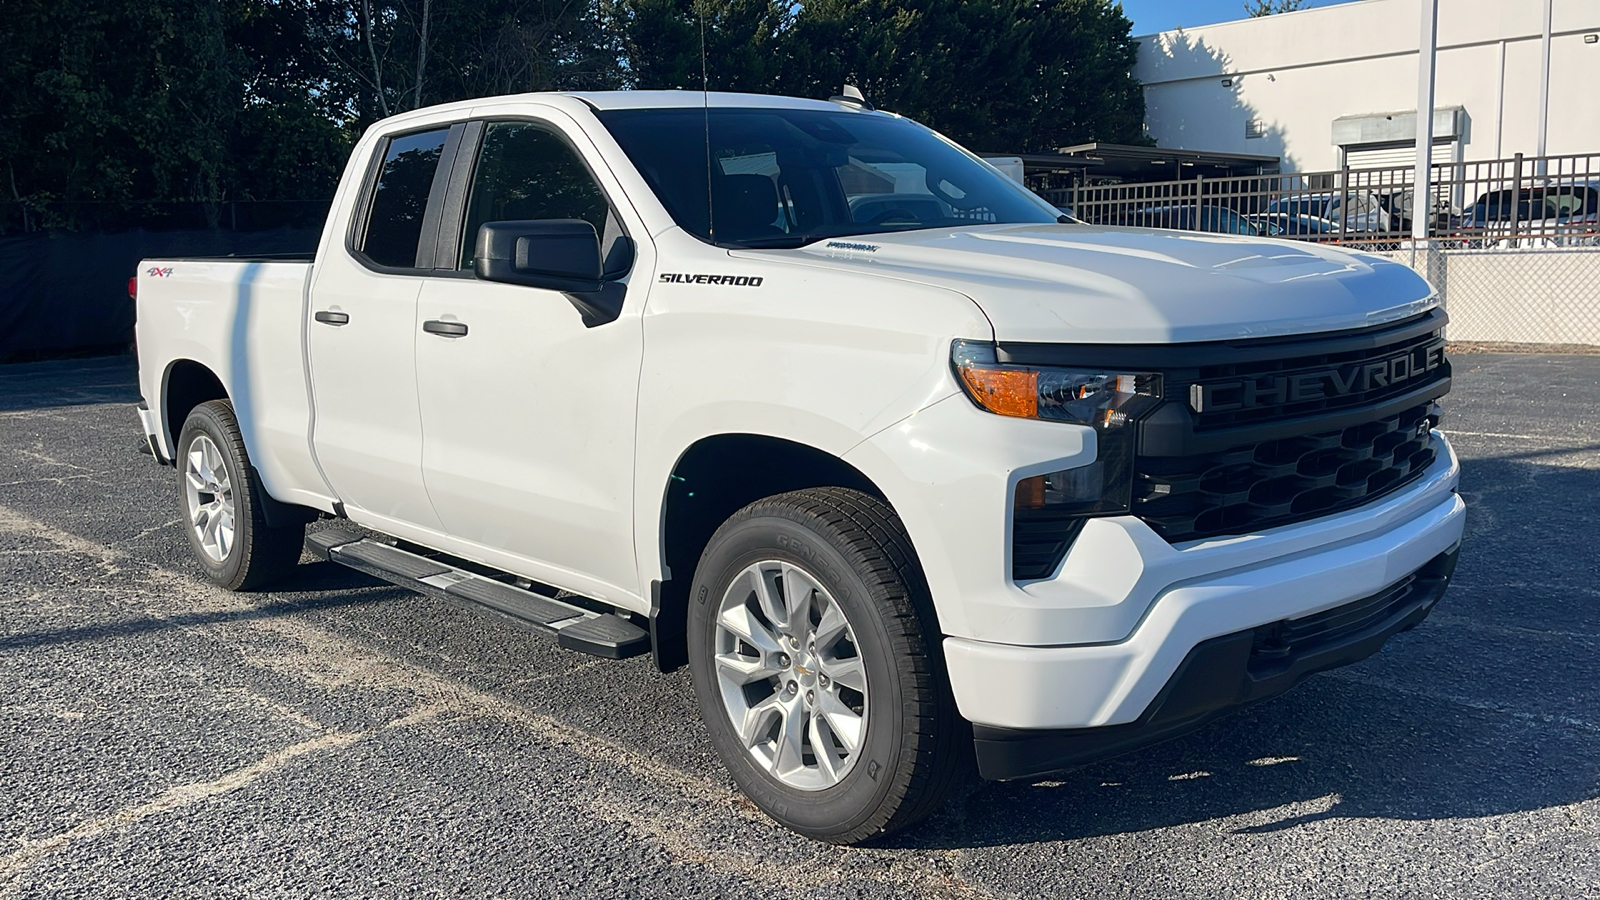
(526, 172)
(400, 198)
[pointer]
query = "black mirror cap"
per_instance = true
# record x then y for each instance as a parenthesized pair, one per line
(558, 254)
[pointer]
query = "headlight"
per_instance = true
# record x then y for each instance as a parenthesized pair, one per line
(1049, 510)
(1094, 397)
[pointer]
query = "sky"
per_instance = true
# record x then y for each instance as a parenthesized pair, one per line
(1159, 15)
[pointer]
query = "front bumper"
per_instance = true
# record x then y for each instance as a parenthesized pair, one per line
(1196, 592)
(1224, 673)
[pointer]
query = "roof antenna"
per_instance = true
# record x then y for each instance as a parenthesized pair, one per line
(853, 96)
(705, 106)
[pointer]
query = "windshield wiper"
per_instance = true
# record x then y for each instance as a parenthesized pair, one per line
(784, 242)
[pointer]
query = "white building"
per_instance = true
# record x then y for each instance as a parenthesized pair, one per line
(1338, 84)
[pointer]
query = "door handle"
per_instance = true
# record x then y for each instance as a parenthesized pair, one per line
(328, 317)
(447, 329)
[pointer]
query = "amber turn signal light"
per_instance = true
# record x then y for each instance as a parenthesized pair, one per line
(1008, 392)
(1030, 493)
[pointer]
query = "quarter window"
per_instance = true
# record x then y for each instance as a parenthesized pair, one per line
(401, 198)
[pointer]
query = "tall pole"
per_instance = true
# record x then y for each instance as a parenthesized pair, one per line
(1422, 185)
(1544, 87)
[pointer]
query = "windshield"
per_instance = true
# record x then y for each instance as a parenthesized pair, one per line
(788, 177)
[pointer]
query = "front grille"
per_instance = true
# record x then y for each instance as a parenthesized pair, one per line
(1231, 394)
(1277, 482)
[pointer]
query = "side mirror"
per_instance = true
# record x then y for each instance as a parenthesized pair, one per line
(558, 254)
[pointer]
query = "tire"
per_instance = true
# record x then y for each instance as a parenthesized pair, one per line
(222, 505)
(848, 556)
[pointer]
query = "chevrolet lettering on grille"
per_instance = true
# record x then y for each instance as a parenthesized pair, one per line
(1316, 384)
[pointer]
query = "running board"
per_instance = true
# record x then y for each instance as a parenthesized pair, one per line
(575, 628)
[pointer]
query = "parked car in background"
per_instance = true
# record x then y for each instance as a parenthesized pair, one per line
(1398, 204)
(1568, 211)
(1355, 210)
(1212, 218)
(1294, 225)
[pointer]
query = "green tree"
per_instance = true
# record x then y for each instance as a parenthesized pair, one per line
(1000, 75)
(103, 105)
(381, 57)
(1258, 8)
(662, 43)
(1081, 84)
(107, 106)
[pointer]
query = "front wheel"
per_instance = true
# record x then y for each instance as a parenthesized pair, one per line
(817, 668)
(223, 504)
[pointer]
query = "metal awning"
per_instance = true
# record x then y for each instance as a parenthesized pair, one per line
(1101, 162)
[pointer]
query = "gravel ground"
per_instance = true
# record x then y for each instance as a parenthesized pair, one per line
(162, 738)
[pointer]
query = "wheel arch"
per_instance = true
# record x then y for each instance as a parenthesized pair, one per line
(713, 478)
(186, 384)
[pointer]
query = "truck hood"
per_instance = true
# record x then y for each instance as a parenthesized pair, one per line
(1091, 284)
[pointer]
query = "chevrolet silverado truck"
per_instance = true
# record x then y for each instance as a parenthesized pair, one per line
(906, 469)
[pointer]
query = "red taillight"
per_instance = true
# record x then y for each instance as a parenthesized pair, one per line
(133, 288)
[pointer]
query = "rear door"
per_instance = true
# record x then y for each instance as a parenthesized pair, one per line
(527, 412)
(362, 337)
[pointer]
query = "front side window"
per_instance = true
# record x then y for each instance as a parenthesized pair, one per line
(788, 177)
(400, 198)
(524, 171)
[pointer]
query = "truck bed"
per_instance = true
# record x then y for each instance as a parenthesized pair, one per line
(237, 317)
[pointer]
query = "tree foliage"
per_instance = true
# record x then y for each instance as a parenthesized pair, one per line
(1258, 8)
(107, 105)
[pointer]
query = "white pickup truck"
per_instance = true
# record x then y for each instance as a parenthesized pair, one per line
(808, 398)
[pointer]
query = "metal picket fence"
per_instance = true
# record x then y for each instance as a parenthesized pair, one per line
(1513, 245)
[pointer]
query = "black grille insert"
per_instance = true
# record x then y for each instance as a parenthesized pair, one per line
(1227, 395)
(1276, 647)
(1039, 541)
(1277, 482)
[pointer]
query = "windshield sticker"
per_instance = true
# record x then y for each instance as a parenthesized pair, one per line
(729, 280)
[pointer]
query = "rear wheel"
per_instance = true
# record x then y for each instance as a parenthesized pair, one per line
(222, 504)
(817, 668)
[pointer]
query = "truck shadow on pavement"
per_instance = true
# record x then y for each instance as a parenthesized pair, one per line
(330, 583)
(1324, 751)
(1491, 706)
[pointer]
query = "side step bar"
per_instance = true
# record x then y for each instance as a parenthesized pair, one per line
(575, 628)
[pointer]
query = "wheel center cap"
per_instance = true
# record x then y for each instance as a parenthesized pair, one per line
(805, 666)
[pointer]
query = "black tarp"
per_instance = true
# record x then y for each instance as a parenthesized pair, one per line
(64, 293)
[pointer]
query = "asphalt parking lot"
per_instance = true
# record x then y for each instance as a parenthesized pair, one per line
(162, 738)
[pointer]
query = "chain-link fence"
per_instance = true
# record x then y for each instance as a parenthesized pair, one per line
(1504, 294)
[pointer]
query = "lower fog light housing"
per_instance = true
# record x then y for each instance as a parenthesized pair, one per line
(1049, 511)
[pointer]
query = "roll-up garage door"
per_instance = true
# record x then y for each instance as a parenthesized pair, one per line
(1374, 166)
(1381, 156)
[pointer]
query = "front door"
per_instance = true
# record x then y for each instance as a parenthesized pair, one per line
(362, 338)
(527, 413)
